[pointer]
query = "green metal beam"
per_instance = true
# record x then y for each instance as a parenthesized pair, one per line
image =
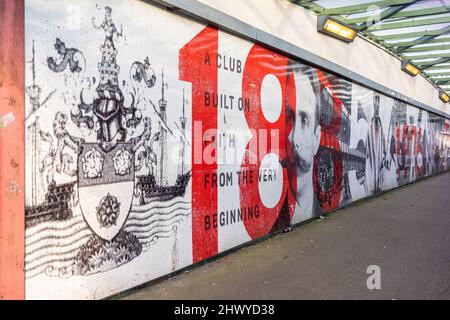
(444, 67)
(427, 64)
(358, 8)
(409, 35)
(439, 83)
(425, 38)
(416, 42)
(445, 79)
(437, 74)
(428, 48)
(410, 23)
(422, 12)
(405, 14)
(308, 4)
(429, 56)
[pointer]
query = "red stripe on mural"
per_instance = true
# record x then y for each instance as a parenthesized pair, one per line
(197, 64)
(12, 162)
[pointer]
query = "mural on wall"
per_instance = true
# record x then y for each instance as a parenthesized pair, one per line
(100, 195)
(155, 144)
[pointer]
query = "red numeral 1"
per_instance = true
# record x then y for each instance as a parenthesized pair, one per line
(197, 65)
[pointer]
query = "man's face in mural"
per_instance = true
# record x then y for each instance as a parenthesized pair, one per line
(305, 134)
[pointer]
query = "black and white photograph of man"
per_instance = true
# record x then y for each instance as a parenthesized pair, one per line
(305, 139)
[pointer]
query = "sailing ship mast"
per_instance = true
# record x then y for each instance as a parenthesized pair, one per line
(162, 179)
(181, 168)
(33, 129)
(33, 91)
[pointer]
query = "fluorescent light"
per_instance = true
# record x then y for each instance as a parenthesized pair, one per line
(335, 28)
(410, 68)
(444, 96)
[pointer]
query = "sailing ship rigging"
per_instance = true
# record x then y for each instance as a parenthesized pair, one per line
(153, 187)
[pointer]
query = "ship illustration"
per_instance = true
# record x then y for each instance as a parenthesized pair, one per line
(47, 201)
(154, 185)
(55, 207)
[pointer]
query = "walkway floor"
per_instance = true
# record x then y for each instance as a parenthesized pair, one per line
(406, 232)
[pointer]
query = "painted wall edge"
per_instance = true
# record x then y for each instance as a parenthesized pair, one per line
(198, 10)
(12, 153)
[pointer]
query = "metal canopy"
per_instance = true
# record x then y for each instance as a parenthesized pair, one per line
(416, 30)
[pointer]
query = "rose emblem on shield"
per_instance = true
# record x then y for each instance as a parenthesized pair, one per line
(108, 211)
(92, 164)
(122, 162)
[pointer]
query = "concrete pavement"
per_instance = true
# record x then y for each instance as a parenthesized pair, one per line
(406, 232)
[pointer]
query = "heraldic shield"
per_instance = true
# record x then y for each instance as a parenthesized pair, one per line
(106, 187)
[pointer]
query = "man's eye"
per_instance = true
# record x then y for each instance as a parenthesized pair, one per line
(305, 121)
